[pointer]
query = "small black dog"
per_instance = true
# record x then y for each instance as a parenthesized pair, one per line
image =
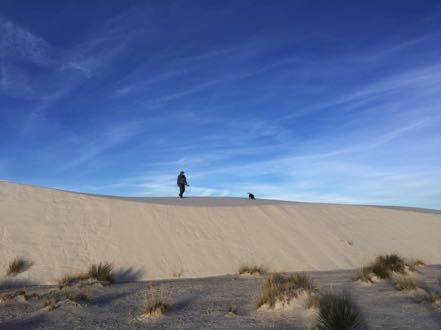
(250, 196)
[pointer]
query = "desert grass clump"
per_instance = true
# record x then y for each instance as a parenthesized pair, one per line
(16, 266)
(364, 274)
(7, 296)
(50, 303)
(405, 283)
(252, 269)
(102, 273)
(68, 280)
(156, 302)
(283, 288)
(385, 265)
(312, 300)
(434, 298)
(337, 312)
(413, 264)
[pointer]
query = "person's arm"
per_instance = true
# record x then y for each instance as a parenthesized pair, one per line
(177, 181)
(186, 181)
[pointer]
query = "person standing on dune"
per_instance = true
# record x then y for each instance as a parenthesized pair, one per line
(182, 182)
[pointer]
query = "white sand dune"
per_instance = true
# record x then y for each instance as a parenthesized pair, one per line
(63, 232)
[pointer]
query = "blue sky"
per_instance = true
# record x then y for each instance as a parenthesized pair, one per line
(295, 100)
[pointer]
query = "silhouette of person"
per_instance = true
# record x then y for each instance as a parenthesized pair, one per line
(182, 183)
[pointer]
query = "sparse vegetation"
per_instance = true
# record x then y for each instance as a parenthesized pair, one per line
(364, 274)
(16, 266)
(337, 312)
(252, 269)
(405, 283)
(413, 264)
(383, 266)
(283, 288)
(439, 279)
(101, 273)
(156, 302)
(50, 303)
(434, 298)
(312, 300)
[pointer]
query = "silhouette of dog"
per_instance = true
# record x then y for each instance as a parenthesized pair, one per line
(251, 196)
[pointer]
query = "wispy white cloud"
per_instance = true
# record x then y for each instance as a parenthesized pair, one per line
(19, 42)
(88, 148)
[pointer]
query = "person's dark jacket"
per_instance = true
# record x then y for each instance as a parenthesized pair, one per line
(182, 180)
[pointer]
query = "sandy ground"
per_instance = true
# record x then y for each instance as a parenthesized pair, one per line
(154, 238)
(204, 304)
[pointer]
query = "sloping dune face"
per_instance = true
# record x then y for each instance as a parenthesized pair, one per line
(63, 233)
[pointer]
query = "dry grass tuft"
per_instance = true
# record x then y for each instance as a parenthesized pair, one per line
(50, 303)
(102, 273)
(337, 312)
(413, 264)
(7, 296)
(385, 265)
(312, 300)
(364, 274)
(405, 283)
(435, 298)
(16, 266)
(156, 302)
(283, 288)
(252, 269)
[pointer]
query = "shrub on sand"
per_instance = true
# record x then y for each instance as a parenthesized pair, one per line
(405, 283)
(252, 269)
(283, 288)
(384, 265)
(16, 266)
(102, 272)
(156, 302)
(337, 312)
(413, 264)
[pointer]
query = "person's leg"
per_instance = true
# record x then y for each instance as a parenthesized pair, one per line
(181, 190)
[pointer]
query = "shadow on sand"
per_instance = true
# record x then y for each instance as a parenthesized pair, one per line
(123, 275)
(32, 322)
(10, 283)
